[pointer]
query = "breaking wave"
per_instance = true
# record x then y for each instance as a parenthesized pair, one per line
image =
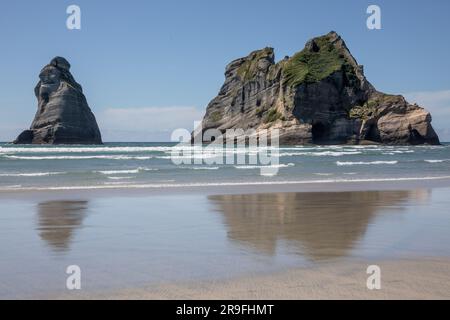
(268, 166)
(120, 178)
(221, 184)
(437, 161)
(110, 157)
(349, 163)
(201, 168)
(33, 174)
(131, 171)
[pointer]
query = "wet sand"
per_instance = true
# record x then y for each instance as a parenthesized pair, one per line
(190, 245)
(403, 279)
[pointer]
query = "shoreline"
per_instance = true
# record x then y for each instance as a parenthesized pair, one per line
(231, 188)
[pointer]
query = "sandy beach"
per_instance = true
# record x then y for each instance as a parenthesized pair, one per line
(403, 279)
(229, 243)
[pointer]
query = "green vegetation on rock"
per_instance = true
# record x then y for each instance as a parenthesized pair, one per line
(273, 115)
(249, 68)
(371, 107)
(310, 66)
(216, 116)
(365, 111)
(389, 99)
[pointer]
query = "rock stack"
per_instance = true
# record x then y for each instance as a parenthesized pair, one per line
(319, 95)
(63, 115)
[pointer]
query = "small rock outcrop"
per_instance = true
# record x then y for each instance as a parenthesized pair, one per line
(63, 115)
(320, 95)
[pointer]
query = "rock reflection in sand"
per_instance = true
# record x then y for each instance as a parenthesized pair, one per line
(318, 225)
(58, 221)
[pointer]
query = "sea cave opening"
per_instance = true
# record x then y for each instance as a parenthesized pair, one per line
(416, 137)
(373, 134)
(319, 132)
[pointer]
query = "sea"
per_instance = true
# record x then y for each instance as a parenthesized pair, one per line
(164, 165)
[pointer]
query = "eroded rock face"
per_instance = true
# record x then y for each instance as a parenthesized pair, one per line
(63, 115)
(320, 95)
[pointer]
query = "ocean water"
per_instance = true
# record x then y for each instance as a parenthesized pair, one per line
(129, 165)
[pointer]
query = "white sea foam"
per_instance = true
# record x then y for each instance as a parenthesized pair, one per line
(128, 171)
(335, 154)
(268, 166)
(437, 161)
(9, 150)
(187, 148)
(121, 178)
(33, 174)
(227, 184)
(108, 157)
(188, 156)
(402, 151)
(201, 168)
(146, 149)
(349, 163)
(118, 171)
(395, 152)
(320, 154)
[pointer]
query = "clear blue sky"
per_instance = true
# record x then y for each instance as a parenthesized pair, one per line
(165, 60)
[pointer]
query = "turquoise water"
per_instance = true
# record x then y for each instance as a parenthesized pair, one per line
(150, 164)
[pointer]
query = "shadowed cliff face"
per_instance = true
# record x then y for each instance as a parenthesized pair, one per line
(63, 115)
(319, 95)
(58, 221)
(318, 225)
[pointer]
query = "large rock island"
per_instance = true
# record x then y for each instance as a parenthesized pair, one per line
(63, 115)
(320, 95)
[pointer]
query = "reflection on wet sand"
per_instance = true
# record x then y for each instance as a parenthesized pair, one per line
(318, 225)
(58, 221)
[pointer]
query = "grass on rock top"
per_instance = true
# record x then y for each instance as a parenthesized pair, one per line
(310, 67)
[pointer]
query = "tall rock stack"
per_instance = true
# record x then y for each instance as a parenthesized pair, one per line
(320, 95)
(63, 115)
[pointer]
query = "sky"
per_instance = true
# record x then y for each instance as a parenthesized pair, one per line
(149, 67)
